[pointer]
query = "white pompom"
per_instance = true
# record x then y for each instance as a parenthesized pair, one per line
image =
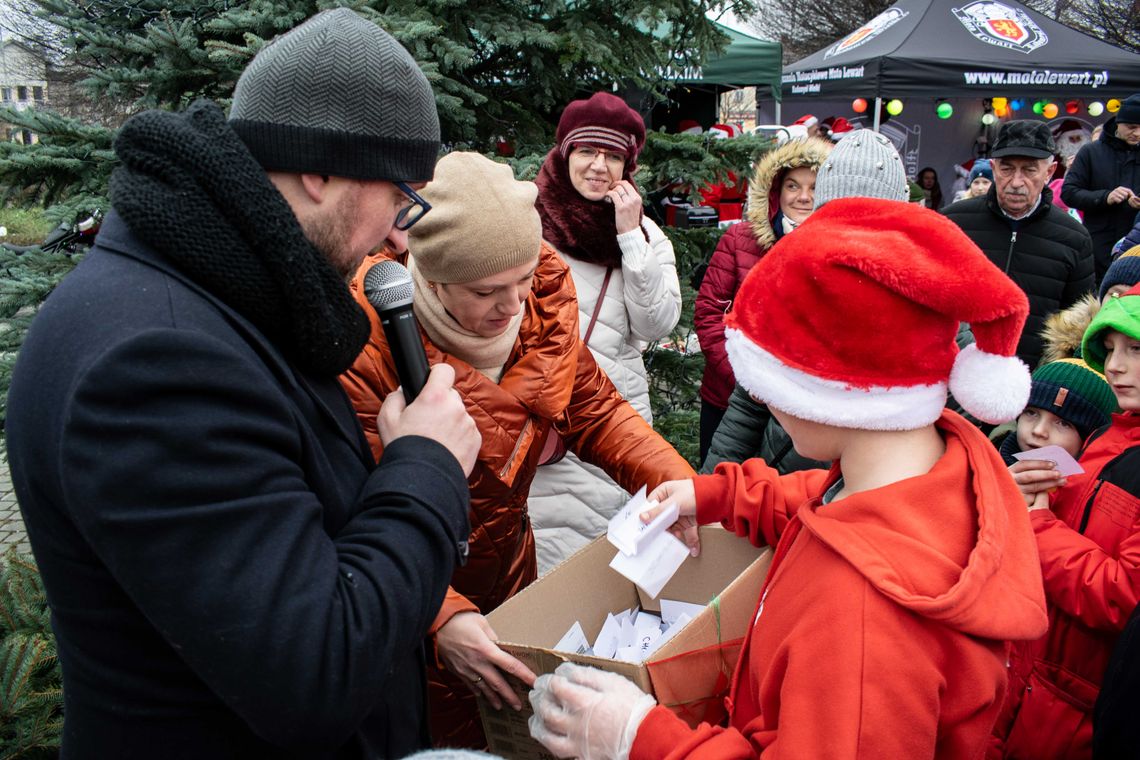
(991, 387)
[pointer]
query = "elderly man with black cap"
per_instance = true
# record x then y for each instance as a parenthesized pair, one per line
(1043, 249)
(230, 573)
(1104, 181)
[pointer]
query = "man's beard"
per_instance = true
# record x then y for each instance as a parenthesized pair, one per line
(1068, 148)
(330, 233)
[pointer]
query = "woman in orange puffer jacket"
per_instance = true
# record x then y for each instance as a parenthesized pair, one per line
(498, 304)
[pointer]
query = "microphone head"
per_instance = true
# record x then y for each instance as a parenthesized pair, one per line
(388, 284)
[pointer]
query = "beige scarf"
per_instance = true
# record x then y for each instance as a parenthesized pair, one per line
(488, 355)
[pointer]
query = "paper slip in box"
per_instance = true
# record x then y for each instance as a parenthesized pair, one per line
(689, 674)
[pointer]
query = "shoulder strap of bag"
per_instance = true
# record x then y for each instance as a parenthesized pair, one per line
(555, 448)
(598, 305)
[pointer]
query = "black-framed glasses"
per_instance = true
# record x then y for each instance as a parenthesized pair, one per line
(414, 211)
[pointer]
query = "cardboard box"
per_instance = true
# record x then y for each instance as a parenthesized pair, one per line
(690, 674)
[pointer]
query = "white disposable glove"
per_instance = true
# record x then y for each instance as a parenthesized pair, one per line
(588, 713)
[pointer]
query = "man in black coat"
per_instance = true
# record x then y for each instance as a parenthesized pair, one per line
(1104, 182)
(230, 573)
(1043, 249)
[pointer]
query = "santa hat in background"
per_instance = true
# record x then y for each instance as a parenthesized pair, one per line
(963, 169)
(689, 127)
(836, 126)
(807, 121)
(723, 131)
(852, 321)
(1070, 135)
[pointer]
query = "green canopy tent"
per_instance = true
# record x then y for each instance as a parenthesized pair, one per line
(747, 61)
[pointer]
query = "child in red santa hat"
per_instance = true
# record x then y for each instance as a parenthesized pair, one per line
(901, 574)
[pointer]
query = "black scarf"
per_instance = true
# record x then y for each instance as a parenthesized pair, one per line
(574, 225)
(190, 189)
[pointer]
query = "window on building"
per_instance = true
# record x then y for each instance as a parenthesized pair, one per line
(38, 94)
(6, 94)
(26, 136)
(21, 93)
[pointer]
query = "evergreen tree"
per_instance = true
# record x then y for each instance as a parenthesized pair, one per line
(500, 68)
(31, 694)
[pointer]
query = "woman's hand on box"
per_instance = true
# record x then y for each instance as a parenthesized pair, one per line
(681, 493)
(588, 713)
(466, 644)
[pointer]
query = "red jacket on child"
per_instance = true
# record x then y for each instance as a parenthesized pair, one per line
(882, 629)
(1089, 544)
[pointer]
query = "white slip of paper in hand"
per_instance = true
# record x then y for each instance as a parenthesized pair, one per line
(628, 533)
(652, 568)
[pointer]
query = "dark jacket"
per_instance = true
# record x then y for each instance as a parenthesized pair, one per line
(1048, 254)
(749, 430)
(1099, 168)
(1116, 732)
(230, 575)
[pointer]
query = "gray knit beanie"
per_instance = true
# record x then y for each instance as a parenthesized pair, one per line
(863, 164)
(338, 95)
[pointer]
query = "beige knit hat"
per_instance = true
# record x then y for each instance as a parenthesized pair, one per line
(482, 221)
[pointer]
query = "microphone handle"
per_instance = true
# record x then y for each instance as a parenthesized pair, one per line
(403, 334)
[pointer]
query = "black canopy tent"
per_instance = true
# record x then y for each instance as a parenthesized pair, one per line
(977, 48)
(923, 51)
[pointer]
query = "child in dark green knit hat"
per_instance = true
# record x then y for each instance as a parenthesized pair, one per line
(1068, 401)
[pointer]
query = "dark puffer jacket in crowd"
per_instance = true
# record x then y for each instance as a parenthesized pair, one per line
(749, 430)
(1100, 167)
(1048, 254)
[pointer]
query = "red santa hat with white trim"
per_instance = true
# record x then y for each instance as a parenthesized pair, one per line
(851, 321)
(807, 120)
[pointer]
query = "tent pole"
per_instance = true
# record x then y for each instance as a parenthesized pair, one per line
(778, 113)
(878, 109)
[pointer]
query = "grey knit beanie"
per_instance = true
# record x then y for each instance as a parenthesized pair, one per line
(338, 95)
(863, 164)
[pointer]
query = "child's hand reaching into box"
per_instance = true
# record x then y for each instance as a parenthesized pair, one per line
(681, 493)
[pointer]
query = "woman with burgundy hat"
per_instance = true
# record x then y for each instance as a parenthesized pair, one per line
(628, 295)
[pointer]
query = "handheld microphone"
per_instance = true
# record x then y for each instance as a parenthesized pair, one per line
(388, 287)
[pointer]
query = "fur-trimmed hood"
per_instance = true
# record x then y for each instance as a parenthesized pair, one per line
(762, 207)
(1064, 329)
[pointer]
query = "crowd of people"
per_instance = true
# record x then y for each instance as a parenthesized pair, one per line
(256, 543)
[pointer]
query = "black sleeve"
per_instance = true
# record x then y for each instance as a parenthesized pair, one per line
(740, 433)
(1075, 190)
(192, 495)
(1082, 277)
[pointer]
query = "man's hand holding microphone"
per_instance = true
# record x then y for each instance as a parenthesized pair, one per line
(437, 413)
(426, 404)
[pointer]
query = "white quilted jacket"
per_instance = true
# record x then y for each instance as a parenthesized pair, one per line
(571, 501)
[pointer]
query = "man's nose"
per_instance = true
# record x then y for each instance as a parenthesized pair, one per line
(397, 240)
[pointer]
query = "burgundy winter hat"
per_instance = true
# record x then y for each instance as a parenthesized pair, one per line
(851, 321)
(602, 121)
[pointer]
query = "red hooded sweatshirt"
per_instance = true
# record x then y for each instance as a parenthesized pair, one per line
(882, 629)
